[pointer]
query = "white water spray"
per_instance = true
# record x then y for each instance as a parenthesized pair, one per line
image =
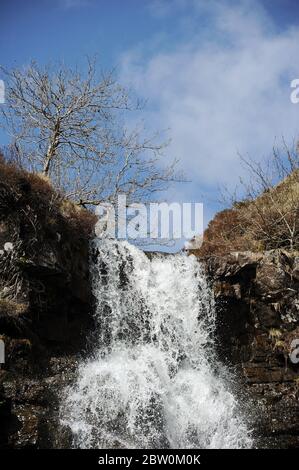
(154, 381)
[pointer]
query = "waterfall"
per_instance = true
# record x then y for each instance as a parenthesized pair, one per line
(153, 380)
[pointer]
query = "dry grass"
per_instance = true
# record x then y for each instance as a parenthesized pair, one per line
(8, 307)
(256, 225)
(31, 198)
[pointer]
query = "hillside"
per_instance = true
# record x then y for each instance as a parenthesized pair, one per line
(270, 221)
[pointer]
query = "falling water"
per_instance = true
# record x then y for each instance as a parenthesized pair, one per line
(153, 381)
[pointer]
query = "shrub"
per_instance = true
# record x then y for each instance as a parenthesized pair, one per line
(268, 216)
(30, 198)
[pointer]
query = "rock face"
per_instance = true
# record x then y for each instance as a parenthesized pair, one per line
(44, 332)
(45, 311)
(258, 333)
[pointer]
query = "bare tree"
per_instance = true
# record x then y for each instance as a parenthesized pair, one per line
(71, 128)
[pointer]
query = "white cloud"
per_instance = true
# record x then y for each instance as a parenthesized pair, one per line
(223, 88)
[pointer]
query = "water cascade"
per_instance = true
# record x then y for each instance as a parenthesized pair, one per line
(153, 380)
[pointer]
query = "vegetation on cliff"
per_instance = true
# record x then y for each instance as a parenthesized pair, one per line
(268, 215)
(31, 199)
(42, 236)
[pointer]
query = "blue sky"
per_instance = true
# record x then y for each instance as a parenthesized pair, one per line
(68, 29)
(216, 73)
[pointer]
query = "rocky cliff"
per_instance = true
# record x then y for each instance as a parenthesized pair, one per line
(46, 317)
(45, 305)
(258, 320)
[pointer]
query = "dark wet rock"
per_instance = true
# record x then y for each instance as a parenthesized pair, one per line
(257, 300)
(45, 320)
